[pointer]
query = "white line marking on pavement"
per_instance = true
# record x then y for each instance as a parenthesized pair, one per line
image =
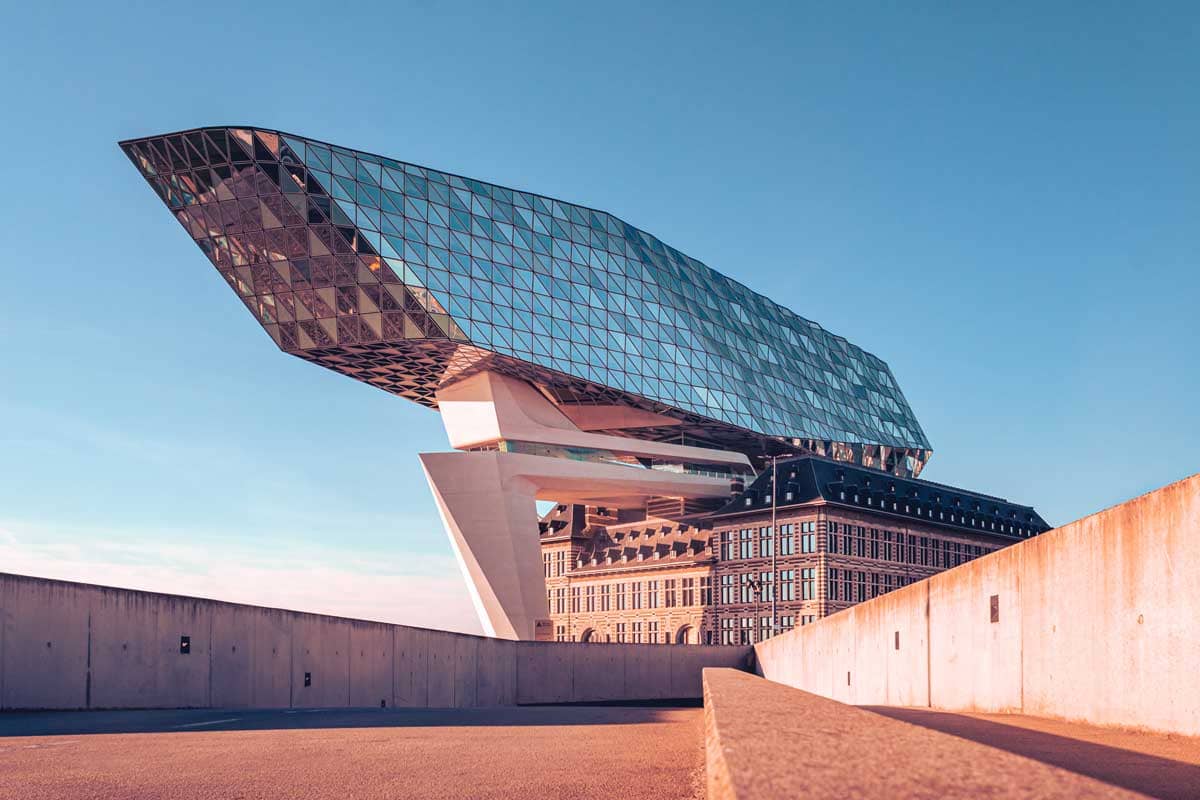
(208, 722)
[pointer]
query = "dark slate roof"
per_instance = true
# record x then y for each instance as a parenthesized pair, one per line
(806, 479)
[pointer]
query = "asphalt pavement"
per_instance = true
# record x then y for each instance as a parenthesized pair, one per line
(525, 752)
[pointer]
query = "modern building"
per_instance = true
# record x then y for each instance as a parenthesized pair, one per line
(829, 536)
(572, 356)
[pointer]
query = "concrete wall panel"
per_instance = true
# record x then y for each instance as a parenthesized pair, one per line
(598, 672)
(371, 662)
(43, 635)
(320, 650)
(1095, 621)
(182, 678)
(440, 648)
(466, 670)
(975, 663)
(687, 663)
(544, 672)
(1110, 615)
(411, 687)
(496, 679)
(125, 649)
(231, 675)
(272, 658)
(647, 671)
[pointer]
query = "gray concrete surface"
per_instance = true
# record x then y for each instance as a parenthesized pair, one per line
(70, 645)
(767, 740)
(516, 752)
(1097, 622)
(1159, 765)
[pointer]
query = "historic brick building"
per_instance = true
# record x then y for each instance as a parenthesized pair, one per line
(830, 535)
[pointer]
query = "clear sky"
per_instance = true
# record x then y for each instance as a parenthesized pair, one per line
(1002, 203)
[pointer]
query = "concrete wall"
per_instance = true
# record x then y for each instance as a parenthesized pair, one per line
(1098, 621)
(71, 645)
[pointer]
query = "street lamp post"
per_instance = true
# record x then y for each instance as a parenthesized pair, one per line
(774, 549)
(756, 586)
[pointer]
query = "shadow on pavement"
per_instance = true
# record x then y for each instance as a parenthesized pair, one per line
(81, 723)
(1128, 769)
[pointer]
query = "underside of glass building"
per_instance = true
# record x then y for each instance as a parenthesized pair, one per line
(408, 278)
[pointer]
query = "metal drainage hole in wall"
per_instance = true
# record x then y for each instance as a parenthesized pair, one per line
(308, 679)
(185, 645)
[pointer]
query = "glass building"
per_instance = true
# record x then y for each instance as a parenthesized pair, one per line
(408, 278)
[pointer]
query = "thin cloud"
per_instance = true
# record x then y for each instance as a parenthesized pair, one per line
(410, 589)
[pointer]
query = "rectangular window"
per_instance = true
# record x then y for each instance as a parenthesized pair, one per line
(787, 584)
(689, 591)
(834, 585)
(620, 631)
(786, 623)
(766, 587)
(746, 629)
(706, 591)
(808, 543)
(574, 599)
(808, 584)
(635, 591)
(727, 596)
(669, 593)
(652, 632)
(620, 597)
(728, 631)
(746, 588)
(637, 633)
(727, 552)
(591, 598)
(652, 594)
(766, 544)
(787, 545)
(605, 598)
(745, 543)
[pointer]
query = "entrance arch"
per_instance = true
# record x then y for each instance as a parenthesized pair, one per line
(683, 634)
(588, 635)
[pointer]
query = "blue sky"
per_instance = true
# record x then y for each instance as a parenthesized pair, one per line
(1001, 203)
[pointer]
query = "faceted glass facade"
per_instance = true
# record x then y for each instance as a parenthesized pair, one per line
(405, 277)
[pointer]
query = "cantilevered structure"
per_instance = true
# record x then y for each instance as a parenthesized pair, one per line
(582, 358)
